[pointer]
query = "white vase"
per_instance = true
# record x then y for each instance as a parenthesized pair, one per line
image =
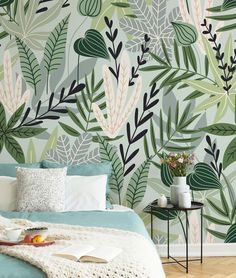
(162, 201)
(179, 181)
(185, 200)
(179, 186)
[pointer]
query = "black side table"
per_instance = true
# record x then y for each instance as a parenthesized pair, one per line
(195, 206)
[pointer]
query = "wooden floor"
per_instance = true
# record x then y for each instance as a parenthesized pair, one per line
(214, 267)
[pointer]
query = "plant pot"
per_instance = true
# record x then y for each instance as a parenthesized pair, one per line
(179, 186)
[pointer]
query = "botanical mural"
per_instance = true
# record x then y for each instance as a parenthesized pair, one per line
(125, 81)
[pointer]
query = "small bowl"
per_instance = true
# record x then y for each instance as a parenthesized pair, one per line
(35, 231)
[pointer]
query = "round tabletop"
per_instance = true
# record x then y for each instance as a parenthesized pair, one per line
(194, 205)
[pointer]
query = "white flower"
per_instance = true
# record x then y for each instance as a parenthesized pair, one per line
(181, 160)
(11, 96)
(117, 105)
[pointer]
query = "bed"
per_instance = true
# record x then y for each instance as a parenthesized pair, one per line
(118, 218)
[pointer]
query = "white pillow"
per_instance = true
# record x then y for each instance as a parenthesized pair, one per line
(8, 193)
(85, 193)
(41, 189)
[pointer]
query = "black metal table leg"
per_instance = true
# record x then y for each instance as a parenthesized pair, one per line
(201, 235)
(186, 240)
(151, 224)
(168, 235)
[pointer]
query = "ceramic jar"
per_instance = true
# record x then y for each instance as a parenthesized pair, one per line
(162, 201)
(185, 200)
(179, 186)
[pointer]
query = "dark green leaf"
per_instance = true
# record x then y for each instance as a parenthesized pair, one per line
(221, 129)
(163, 214)
(228, 5)
(203, 178)
(223, 17)
(178, 148)
(168, 80)
(75, 119)
(176, 114)
(161, 130)
(215, 9)
(168, 124)
(231, 234)
(191, 57)
(194, 95)
(85, 102)
(230, 188)
(165, 52)
(120, 4)
(224, 202)
(153, 137)
(95, 129)
(206, 64)
(54, 50)
(185, 57)
(27, 132)
(188, 122)
(186, 34)
(3, 121)
(185, 140)
(14, 149)
(176, 53)
(89, 8)
(166, 175)
(99, 97)
(92, 45)
(146, 149)
(80, 109)
(233, 213)
(153, 68)
(183, 76)
(158, 59)
(216, 220)
(137, 185)
(68, 129)
(230, 154)
(184, 115)
(227, 28)
(109, 153)
(15, 117)
(160, 76)
(217, 234)
(29, 64)
(219, 210)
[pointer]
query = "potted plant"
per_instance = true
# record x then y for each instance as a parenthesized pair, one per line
(179, 165)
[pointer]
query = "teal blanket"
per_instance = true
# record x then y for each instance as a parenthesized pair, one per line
(14, 268)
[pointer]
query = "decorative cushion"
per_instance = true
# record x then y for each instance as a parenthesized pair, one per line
(41, 189)
(8, 193)
(85, 193)
(9, 169)
(104, 168)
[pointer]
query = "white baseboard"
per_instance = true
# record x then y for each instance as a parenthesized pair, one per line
(209, 250)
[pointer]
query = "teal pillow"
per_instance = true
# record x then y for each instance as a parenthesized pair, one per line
(9, 170)
(103, 168)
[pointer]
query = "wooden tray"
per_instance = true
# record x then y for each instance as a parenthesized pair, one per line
(40, 244)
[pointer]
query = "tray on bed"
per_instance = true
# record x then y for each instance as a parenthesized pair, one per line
(39, 244)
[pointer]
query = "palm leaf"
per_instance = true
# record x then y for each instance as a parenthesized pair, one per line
(109, 153)
(29, 64)
(55, 46)
(137, 185)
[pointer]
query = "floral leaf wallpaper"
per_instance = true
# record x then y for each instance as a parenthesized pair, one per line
(126, 81)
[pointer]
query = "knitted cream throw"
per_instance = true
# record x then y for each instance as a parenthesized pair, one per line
(139, 258)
